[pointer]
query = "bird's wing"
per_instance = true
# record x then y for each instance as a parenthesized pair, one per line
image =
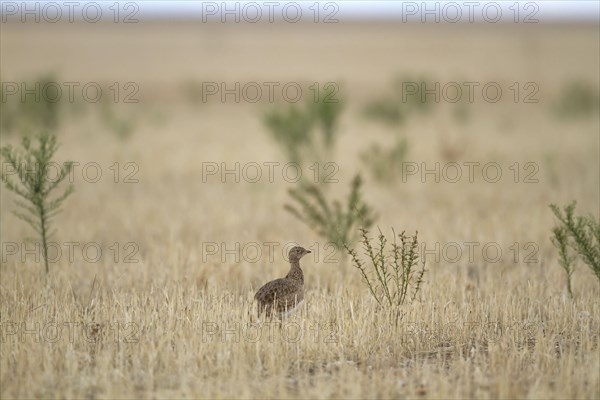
(282, 293)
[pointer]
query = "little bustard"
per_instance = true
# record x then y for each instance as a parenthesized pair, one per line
(284, 295)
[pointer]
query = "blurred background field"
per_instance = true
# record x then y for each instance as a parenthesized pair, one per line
(164, 206)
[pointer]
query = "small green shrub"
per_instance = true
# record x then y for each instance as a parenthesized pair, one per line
(329, 219)
(33, 186)
(390, 274)
(577, 99)
(33, 111)
(291, 128)
(306, 130)
(385, 110)
(121, 126)
(325, 111)
(385, 163)
(579, 234)
(395, 108)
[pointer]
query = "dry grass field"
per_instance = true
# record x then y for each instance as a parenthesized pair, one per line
(166, 309)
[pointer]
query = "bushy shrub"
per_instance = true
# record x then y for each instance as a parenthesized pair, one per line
(330, 219)
(576, 237)
(390, 274)
(32, 185)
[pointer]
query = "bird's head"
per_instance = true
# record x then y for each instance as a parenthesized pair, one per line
(297, 252)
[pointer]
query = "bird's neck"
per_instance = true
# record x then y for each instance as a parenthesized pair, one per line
(295, 272)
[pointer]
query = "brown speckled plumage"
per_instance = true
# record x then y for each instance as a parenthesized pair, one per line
(282, 295)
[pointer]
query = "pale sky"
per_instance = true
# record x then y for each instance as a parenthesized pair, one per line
(404, 11)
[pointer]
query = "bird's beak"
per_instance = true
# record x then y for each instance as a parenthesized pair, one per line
(308, 251)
